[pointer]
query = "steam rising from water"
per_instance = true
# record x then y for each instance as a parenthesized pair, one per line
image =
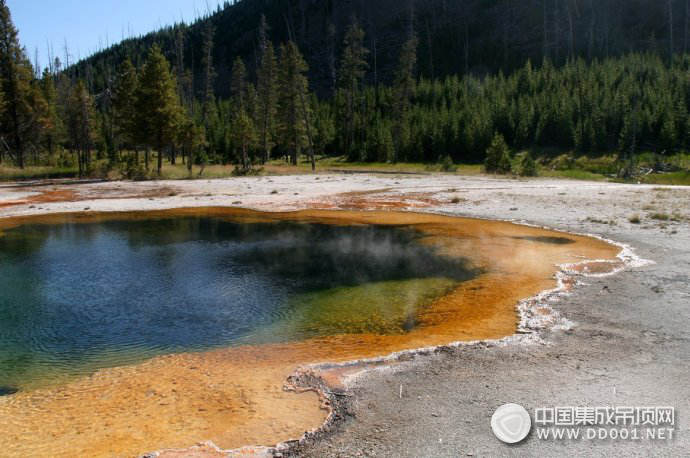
(76, 297)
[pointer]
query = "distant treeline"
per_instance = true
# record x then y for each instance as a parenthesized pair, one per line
(456, 37)
(637, 101)
(621, 104)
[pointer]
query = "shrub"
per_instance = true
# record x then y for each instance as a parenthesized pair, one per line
(240, 171)
(104, 169)
(131, 170)
(498, 156)
(660, 216)
(444, 165)
(634, 219)
(528, 166)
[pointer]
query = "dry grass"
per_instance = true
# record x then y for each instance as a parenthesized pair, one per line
(36, 173)
(610, 222)
(659, 216)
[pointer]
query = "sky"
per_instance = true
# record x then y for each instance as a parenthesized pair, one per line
(88, 25)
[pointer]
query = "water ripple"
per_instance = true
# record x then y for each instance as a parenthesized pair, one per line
(77, 297)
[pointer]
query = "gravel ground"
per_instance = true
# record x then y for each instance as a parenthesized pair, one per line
(629, 344)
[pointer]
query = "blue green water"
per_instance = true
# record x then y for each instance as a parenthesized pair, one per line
(75, 297)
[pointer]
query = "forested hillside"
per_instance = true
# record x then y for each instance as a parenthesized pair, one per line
(456, 37)
(430, 81)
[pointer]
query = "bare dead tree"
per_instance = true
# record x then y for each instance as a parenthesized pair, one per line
(670, 28)
(685, 29)
(556, 22)
(571, 42)
(37, 64)
(431, 53)
(605, 25)
(372, 35)
(412, 19)
(546, 37)
(330, 45)
(505, 19)
(209, 72)
(307, 123)
(466, 46)
(590, 41)
(67, 54)
(179, 60)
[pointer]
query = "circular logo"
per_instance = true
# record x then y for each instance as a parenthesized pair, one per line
(511, 423)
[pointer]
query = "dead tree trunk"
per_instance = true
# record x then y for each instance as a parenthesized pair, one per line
(670, 28)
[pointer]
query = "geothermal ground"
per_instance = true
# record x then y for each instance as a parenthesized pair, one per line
(628, 345)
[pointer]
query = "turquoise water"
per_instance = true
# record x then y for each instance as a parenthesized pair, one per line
(75, 297)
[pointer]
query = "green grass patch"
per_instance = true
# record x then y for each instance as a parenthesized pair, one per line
(180, 172)
(573, 174)
(552, 164)
(339, 164)
(36, 173)
(670, 178)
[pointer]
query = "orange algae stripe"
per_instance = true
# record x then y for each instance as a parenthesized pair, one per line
(235, 396)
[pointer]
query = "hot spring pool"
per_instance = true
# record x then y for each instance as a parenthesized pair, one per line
(125, 333)
(76, 296)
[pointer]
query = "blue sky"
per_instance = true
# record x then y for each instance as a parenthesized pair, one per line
(90, 24)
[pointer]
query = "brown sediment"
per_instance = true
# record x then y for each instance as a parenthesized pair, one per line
(236, 396)
(379, 199)
(44, 196)
(127, 193)
(63, 194)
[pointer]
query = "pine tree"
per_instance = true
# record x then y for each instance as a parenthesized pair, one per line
(2, 114)
(124, 105)
(528, 166)
(324, 125)
(53, 129)
(353, 67)
(179, 70)
(267, 93)
(244, 138)
(403, 87)
(243, 106)
(191, 137)
(238, 86)
(667, 134)
(498, 156)
(293, 112)
(208, 71)
(63, 86)
(158, 107)
(3, 143)
(81, 121)
(16, 76)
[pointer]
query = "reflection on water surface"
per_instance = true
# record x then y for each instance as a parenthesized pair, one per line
(78, 296)
(310, 286)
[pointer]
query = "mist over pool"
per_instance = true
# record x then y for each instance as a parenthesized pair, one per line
(75, 297)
